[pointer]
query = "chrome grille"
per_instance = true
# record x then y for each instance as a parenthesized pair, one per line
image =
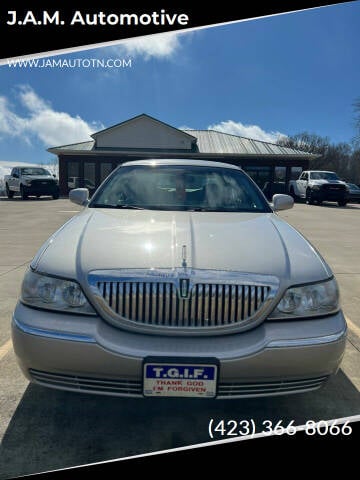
(182, 301)
(243, 389)
(105, 386)
(133, 388)
(208, 305)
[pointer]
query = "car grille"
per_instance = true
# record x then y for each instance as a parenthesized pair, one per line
(122, 387)
(182, 301)
(158, 303)
(330, 187)
(42, 183)
(269, 388)
(133, 388)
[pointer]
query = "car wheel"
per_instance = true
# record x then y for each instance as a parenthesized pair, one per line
(342, 203)
(55, 196)
(9, 192)
(309, 198)
(23, 194)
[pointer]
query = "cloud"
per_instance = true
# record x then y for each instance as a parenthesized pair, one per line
(161, 45)
(41, 121)
(10, 123)
(250, 131)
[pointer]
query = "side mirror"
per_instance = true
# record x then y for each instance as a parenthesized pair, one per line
(282, 202)
(54, 175)
(15, 175)
(80, 196)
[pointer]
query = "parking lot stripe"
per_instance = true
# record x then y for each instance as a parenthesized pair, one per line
(354, 328)
(4, 349)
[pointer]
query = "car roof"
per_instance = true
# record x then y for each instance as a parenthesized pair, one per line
(181, 162)
(319, 171)
(29, 166)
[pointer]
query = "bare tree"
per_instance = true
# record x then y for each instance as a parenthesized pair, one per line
(307, 142)
(51, 164)
(341, 157)
(356, 106)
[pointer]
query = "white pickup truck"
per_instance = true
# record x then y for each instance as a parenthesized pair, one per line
(318, 186)
(28, 181)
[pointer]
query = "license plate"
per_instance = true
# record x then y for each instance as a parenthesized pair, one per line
(179, 380)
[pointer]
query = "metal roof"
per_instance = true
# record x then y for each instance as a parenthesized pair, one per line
(212, 141)
(208, 142)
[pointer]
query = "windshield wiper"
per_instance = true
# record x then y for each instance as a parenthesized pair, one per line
(125, 207)
(205, 209)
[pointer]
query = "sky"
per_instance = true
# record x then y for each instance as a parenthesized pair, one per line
(261, 79)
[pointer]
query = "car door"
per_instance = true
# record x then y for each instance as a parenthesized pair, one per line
(16, 180)
(302, 183)
(12, 179)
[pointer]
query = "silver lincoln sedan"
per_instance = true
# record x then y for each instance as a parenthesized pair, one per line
(178, 279)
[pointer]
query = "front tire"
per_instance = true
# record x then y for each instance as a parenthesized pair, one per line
(309, 197)
(342, 203)
(9, 192)
(23, 194)
(56, 196)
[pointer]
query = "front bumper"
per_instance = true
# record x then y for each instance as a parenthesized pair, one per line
(86, 354)
(354, 198)
(330, 195)
(49, 189)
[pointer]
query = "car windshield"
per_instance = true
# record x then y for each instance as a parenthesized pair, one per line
(323, 176)
(168, 187)
(34, 171)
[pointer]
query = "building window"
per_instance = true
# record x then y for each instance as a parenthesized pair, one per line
(73, 175)
(105, 170)
(90, 176)
(280, 174)
(261, 175)
(295, 173)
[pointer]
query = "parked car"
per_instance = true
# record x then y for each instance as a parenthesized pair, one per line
(74, 182)
(319, 186)
(179, 279)
(31, 181)
(354, 193)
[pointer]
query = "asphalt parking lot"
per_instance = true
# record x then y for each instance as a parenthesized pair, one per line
(43, 429)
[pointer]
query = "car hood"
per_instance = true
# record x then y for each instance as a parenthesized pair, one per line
(327, 182)
(246, 242)
(38, 177)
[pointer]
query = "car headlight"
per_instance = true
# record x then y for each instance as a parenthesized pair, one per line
(316, 187)
(308, 301)
(27, 183)
(50, 293)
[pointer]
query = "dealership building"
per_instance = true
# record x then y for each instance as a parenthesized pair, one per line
(87, 164)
